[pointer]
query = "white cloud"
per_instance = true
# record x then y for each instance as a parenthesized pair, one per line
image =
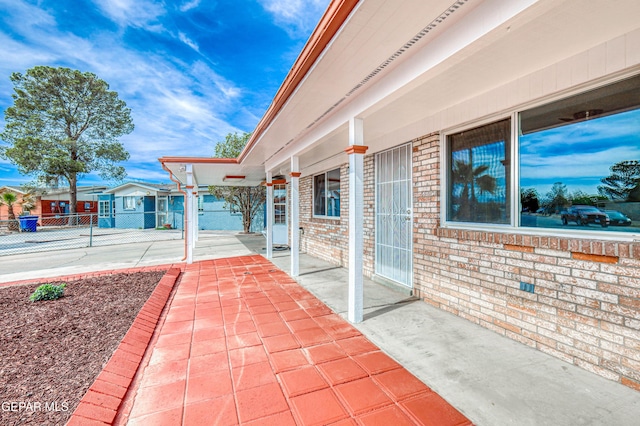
(189, 5)
(296, 17)
(133, 13)
(186, 40)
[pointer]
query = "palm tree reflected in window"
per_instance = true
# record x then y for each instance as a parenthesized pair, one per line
(471, 179)
(479, 162)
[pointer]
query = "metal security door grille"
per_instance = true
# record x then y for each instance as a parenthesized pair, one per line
(393, 215)
(162, 209)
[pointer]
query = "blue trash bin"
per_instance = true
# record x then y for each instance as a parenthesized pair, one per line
(28, 223)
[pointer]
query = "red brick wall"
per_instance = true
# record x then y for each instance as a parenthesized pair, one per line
(327, 239)
(586, 305)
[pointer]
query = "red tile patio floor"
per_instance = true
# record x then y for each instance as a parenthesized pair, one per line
(243, 343)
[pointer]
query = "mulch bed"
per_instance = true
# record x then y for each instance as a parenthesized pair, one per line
(52, 351)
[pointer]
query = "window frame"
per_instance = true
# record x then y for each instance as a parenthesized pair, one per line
(326, 201)
(515, 226)
(125, 202)
(281, 219)
(104, 212)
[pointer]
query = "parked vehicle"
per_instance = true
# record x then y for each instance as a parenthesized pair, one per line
(617, 218)
(584, 215)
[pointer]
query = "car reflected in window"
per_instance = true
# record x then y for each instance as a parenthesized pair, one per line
(585, 215)
(617, 218)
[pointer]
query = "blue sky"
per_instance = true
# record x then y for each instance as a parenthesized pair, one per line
(580, 154)
(191, 71)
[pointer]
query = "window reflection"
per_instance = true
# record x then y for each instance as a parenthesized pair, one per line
(326, 194)
(580, 161)
(479, 174)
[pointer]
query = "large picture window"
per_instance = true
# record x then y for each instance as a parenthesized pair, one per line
(580, 161)
(577, 166)
(478, 180)
(326, 194)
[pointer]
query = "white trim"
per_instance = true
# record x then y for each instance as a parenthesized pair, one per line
(108, 209)
(269, 219)
(295, 218)
(515, 170)
(356, 235)
(188, 213)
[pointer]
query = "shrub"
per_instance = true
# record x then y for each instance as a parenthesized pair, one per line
(48, 292)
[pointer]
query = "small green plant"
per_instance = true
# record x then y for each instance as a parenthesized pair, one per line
(48, 292)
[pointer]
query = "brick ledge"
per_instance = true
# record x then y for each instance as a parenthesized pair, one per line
(618, 249)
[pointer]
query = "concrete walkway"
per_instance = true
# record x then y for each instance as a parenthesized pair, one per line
(488, 378)
(491, 379)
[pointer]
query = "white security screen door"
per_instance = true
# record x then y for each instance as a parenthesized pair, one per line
(162, 211)
(394, 224)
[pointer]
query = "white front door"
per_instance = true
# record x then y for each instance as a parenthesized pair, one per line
(280, 227)
(394, 219)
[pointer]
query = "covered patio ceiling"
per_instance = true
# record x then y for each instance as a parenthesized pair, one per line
(395, 64)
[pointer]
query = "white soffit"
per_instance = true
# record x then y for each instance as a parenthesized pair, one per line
(375, 32)
(409, 89)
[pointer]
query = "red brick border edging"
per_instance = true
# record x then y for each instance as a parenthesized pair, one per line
(100, 404)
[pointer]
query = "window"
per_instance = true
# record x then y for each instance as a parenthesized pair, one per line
(129, 203)
(103, 209)
(580, 161)
(577, 166)
(280, 204)
(478, 180)
(326, 194)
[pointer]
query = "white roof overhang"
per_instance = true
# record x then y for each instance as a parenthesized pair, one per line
(394, 64)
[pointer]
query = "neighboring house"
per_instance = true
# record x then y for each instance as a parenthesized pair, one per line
(407, 132)
(17, 207)
(140, 205)
(53, 203)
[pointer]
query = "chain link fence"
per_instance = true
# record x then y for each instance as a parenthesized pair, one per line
(29, 234)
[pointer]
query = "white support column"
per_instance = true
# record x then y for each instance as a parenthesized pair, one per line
(196, 216)
(356, 212)
(295, 217)
(269, 221)
(188, 214)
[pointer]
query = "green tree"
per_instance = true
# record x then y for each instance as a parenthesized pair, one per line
(580, 197)
(63, 124)
(529, 200)
(9, 199)
(624, 182)
(557, 198)
(248, 200)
